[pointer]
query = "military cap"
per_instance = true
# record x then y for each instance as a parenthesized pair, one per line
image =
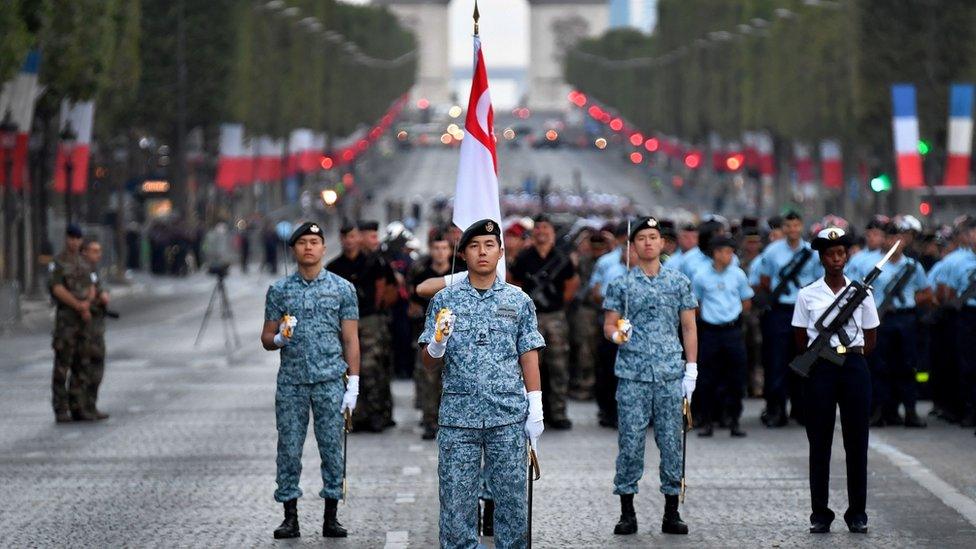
(644, 223)
(891, 228)
(347, 228)
(667, 228)
(304, 229)
(830, 237)
(485, 227)
(689, 227)
(775, 222)
(369, 225)
(877, 222)
(721, 242)
(73, 230)
(542, 218)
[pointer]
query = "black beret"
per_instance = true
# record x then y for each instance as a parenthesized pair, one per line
(667, 228)
(689, 227)
(791, 215)
(306, 228)
(644, 223)
(347, 228)
(485, 227)
(830, 237)
(775, 222)
(721, 242)
(73, 230)
(877, 222)
(750, 222)
(890, 228)
(542, 218)
(369, 225)
(621, 229)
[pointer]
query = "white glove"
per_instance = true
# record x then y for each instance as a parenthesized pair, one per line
(691, 377)
(352, 393)
(444, 325)
(533, 424)
(286, 325)
(455, 278)
(622, 334)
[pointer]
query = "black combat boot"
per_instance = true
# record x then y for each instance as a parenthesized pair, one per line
(627, 524)
(912, 419)
(735, 430)
(330, 524)
(488, 518)
(62, 416)
(672, 523)
(289, 526)
(83, 415)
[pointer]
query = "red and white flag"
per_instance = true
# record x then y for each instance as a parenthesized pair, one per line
(831, 164)
(18, 98)
(80, 116)
(476, 191)
(231, 163)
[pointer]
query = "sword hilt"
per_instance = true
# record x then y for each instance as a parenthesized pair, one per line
(534, 463)
(682, 495)
(347, 415)
(686, 413)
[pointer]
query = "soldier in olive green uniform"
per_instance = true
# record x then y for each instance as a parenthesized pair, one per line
(73, 291)
(93, 342)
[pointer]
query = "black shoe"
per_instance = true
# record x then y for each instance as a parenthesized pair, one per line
(912, 420)
(62, 416)
(876, 420)
(330, 524)
(430, 432)
(83, 415)
(99, 415)
(858, 527)
(968, 420)
(672, 523)
(289, 526)
(608, 422)
(735, 431)
(706, 431)
(488, 518)
(776, 419)
(627, 525)
(560, 424)
(819, 527)
(892, 418)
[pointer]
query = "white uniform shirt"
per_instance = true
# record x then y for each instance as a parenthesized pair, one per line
(814, 299)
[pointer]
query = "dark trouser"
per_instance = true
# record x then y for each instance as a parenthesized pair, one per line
(778, 350)
(722, 371)
(894, 363)
(848, 386)
(606, 380)
(946, 393)
(965, 336)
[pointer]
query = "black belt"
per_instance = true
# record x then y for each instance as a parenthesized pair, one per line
(905, 311)
(849, 350)
(728, 325)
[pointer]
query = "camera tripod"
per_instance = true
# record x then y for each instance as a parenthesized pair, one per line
(231, 339)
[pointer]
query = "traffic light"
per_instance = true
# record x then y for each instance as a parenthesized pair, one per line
(693, 160)
(925, 208)
(923, 147)
(881, 183)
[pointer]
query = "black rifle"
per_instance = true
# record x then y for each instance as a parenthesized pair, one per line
(844, 304)
(895, 288)
(787, 275)
(967, 294)
(542, 279)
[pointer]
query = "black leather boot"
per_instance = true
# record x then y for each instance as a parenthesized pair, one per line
(627, 524)
(735, 430)
(672, 523)
(289, 526)
(488, 518)
(912, 420)
(330, 524)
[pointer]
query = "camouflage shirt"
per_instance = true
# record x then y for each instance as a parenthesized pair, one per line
(482, 378)
(654, 352)
(75, 274)
(320, 305)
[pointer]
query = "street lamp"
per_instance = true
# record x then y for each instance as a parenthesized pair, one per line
(68, 137)
(8, 142)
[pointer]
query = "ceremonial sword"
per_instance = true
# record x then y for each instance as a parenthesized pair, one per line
(534, 475)
(685, 427)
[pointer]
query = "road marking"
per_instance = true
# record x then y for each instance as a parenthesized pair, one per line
(397, 539)
(405, 498)
(926, 478)
(410, 471)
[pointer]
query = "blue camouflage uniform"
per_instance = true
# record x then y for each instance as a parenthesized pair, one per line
(650, 367)
(483, 409)
(310, 376)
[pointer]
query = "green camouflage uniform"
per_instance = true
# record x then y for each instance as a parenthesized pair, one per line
(92, 352)
(70, 334)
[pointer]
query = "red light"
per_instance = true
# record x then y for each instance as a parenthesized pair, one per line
(374, 134)
(925, 208)
(692, 160)
(636, 157)
(423, 104)
(347, 179)
(677, 181)
(605, 118)
(327, 163)
(348, 155)
(636, 139)
(734, 162)
(362, 145)
(580, 100)
(652, 144)
(595, 112)
(616, 124)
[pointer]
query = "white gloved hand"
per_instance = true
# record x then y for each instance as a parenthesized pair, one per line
(455, 278)
(286, 326)
(533, 424)
(352, 394)
(623, 331)
(691, 377)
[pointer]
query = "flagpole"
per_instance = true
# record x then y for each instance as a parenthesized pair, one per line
(476, 16)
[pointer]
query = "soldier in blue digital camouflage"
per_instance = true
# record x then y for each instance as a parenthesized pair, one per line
(643, 312)
(485, 332)
(312, 317)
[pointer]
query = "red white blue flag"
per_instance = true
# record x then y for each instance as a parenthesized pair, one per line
(905, 123)
(960, 139)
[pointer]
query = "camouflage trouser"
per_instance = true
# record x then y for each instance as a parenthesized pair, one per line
(554, 363)
(586, 332)
(429, 392)
(375, 407)
(292, 405)
(68, 381)
(640, 404)
(460, 474)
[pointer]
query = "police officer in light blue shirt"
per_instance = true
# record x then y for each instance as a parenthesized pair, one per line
(723, 294)
(609, 267)
(863, 261)
(777, 264)
(900, 286)
(697, 259)
(961, 285)
(486, 334)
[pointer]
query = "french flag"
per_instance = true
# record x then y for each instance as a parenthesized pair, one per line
(831, 164)
(476, 189)
(80, 117)
(960, 140)
(802, 163)
(231, 161)
(18, 98)
(906, 136)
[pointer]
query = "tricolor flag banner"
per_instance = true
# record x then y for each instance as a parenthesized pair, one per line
(802, 163)
(231, 162)
(18, 97)
(476, 190)
(80, 116)
(960, 139)
(906, 136)
(831, 164)
(764, 148)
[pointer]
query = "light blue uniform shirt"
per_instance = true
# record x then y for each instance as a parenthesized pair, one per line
(720, 293)
(861, 263)
(962, 274)
(607, 269)
(939, 273)
(695, 260)
(674, 261)
(778, 254)
(891, 273)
